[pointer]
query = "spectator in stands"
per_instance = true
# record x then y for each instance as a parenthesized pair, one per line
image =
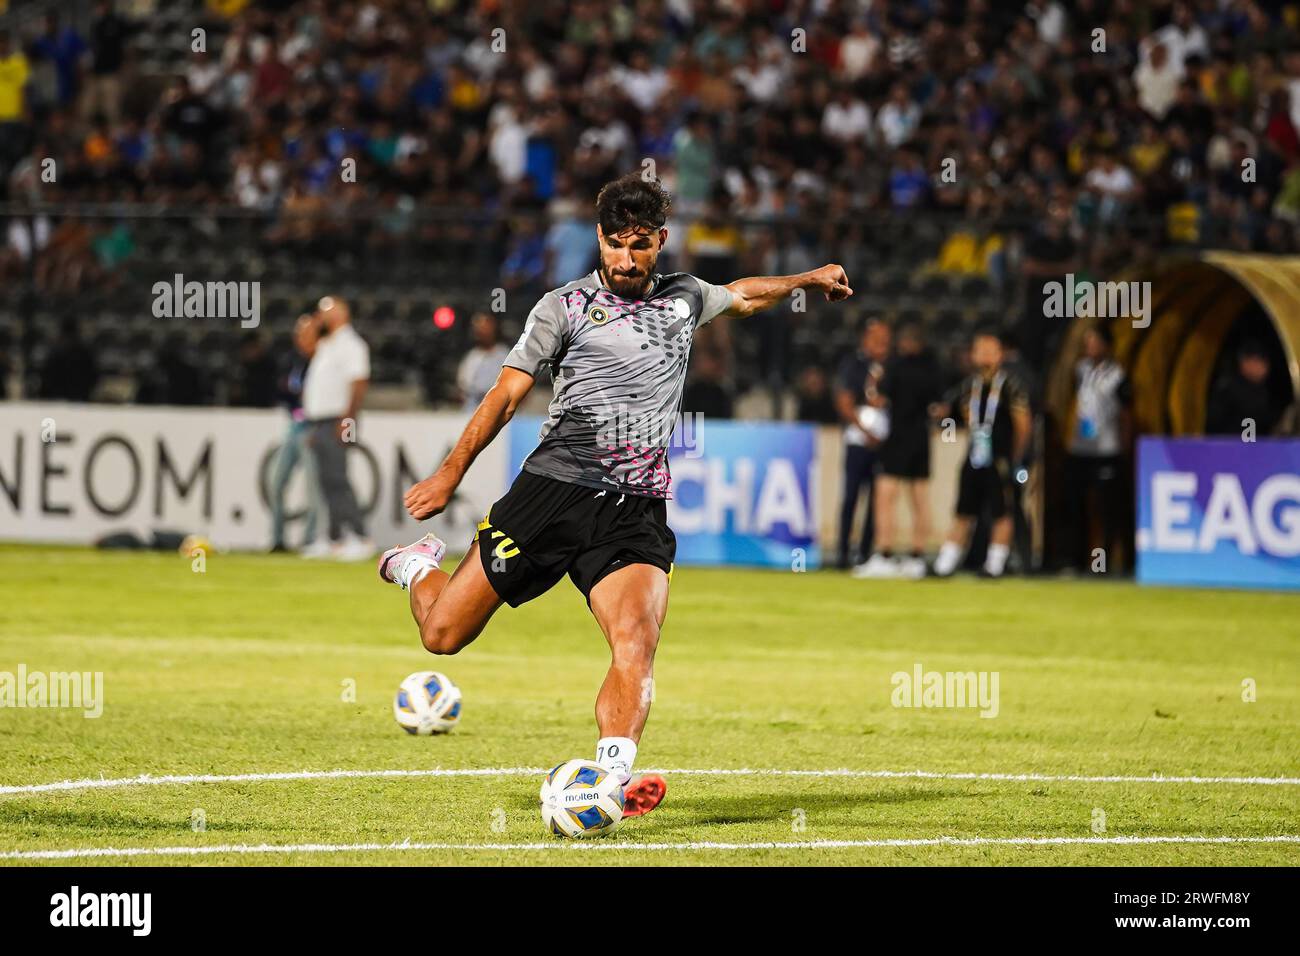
(62, 48)
(293, 448)
(1157, 80)
(857, 389)
(71, 369)
(481, 365)
(713, 243)
(67, 262)
(1181, 39)
(911, 386)
(102, 95)
(695, 159)
(188, 115)
(15, 72)
(909, 184)
(1013, 91)
(570, 244)
(1113, 186)
(332, 393)
(1100, 438)
(846, 117)
(898, 118)
(525, 262)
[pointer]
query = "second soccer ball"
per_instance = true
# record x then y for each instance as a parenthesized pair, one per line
(427, 702)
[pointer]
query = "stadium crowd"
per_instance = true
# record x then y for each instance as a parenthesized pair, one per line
(1056, 137)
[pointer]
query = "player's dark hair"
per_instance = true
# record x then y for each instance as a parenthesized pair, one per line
(987, 332)
(631, 202)
(1103, 332)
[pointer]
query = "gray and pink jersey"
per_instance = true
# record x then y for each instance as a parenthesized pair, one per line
(619, 367)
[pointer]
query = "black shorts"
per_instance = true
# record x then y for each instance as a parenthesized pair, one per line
(990, 488)
(906, 456)
(543, 528)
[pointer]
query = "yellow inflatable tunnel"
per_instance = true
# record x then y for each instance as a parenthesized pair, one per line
(1195, 300)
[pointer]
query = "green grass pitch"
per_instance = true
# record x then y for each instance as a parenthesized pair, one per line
(244, 669)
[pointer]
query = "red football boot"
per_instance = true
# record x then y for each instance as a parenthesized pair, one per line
(642, 794)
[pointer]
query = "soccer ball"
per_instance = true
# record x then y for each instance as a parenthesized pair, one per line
(427, 702)
(581, 799)
(875, 421)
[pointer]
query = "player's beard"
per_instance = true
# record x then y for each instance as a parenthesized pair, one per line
(629, 287)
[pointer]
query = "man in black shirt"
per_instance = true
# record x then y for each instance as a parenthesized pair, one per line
(102, 95)
(859, 405)
(1050, 255)
(995, 409)
(1244, 396)
(910, 385)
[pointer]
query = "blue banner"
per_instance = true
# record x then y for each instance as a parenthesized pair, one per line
(742, 491)
(1219, 511)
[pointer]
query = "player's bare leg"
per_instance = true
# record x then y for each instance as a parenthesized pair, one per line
(886, 512)
(919, 491)
(881, 563)
(630, 606)
(450, 609)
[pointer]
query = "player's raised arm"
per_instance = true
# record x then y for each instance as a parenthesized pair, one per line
(762, 292)
(429, 497)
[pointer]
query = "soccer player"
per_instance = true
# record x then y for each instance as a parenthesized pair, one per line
(591, 498)
(995, 408)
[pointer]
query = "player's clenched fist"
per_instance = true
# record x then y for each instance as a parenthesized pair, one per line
(427, 498)
(833, 281)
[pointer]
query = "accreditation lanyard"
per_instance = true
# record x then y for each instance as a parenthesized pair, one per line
(981, 429)
(1090, 400)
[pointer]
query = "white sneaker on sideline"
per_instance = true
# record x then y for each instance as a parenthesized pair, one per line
(317, 550)
(877, 566)
(912, 568)
(355, 549)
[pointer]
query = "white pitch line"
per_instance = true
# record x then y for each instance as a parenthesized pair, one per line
(151, 780)
(597, 845)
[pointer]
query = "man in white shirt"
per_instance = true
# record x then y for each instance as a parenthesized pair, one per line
(846, 118)
(1182, 38)
(899, 117)
(1100, 439)
(332, 391)
(1114, 185)
(1157, 79)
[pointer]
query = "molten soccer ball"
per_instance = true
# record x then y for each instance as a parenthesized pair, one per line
(427, 703)
(581, 799)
